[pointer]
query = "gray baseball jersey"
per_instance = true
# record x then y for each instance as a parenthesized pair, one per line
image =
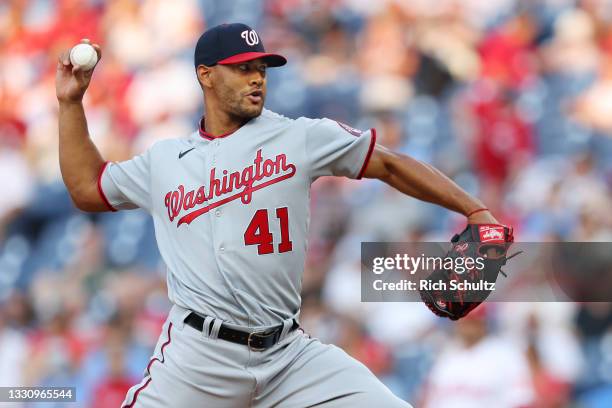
(231, 212)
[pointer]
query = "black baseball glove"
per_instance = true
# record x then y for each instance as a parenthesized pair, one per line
(465, 287)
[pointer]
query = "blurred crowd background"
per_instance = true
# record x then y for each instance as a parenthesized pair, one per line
(511, 99)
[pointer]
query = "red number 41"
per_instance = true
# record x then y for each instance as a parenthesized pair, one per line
(258, 232)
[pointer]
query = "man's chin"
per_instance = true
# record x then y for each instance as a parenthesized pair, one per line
(253, 111)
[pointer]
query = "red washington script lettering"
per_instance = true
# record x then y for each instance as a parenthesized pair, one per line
(244, 182)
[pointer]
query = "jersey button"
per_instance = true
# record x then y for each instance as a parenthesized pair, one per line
(218, 213)
(222, 248)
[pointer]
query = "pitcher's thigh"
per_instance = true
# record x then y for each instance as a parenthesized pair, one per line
(325, 376)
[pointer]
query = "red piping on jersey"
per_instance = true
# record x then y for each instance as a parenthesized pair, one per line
(369, 155)
(149, 366)
(208, 136)
(108, 204)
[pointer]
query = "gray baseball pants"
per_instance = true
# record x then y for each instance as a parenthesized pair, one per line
(195, 369)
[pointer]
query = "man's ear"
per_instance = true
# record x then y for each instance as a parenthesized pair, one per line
(204, 75)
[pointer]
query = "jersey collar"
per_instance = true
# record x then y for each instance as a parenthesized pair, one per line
(207, 135)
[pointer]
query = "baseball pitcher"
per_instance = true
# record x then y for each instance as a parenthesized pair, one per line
(230, 204)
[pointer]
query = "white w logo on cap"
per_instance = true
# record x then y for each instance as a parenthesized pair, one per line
(250, 36)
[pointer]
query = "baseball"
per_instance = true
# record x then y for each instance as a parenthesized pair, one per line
(83, 55)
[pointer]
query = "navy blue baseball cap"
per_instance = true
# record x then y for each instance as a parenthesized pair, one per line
(232, 44)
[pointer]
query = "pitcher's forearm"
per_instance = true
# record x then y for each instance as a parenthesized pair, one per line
(425, 182)
(80, 160)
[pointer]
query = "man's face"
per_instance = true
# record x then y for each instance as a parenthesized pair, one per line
(241, 88)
